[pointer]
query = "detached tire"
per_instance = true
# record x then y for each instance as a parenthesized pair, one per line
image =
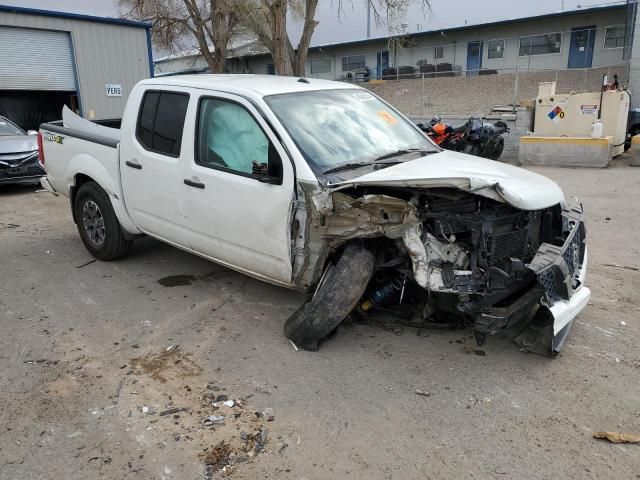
(98, 225)
(338, 292)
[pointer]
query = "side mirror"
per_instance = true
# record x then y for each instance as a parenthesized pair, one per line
(264, 174)
(32, 132)
(270, 173)
(269, 179)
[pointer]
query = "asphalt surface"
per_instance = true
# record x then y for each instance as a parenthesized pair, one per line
(91, 353)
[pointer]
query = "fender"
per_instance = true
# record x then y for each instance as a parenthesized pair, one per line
(84, 164)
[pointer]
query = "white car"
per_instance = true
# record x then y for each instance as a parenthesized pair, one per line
(324, 187)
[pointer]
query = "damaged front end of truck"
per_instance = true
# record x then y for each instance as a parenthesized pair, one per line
(446, 252)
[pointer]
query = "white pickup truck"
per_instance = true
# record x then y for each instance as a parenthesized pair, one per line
(324, 187)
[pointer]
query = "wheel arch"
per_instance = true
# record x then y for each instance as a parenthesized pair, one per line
(129, 228)
(79, 180)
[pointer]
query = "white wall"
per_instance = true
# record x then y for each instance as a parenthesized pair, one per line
(455, 44)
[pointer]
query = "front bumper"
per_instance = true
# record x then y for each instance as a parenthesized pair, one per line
(549, 307)
(561, 272)
(565, 311)
(22, 171)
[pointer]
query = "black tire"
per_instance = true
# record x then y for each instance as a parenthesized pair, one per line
(98, 225)
(497, 150)
(337, 294)
(632, 133)
(472, 149)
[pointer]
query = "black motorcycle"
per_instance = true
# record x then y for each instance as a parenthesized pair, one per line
(475, 137)
(484, 139)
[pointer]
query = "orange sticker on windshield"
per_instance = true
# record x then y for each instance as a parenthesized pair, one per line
(387, 117)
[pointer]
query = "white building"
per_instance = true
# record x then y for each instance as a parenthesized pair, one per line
(578, 39)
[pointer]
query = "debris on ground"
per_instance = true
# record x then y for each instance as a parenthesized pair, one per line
(172, 358)
(267, 413)
(424, 393)
(229, 403)
(618, 437)
(624, 267)
(87, 263)
(214, 420)
(476, 351)
(172, 410)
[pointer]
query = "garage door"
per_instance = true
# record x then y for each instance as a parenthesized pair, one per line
(36, 60)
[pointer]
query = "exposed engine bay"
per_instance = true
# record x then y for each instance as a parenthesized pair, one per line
(459, 259)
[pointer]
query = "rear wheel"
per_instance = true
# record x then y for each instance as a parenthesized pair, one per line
(497, 150)
(336, 295)
(98, 224)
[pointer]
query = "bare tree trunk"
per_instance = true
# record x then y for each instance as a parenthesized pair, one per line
(310, 25)
(204, 49)
(222, 23)
(280, 40)
(198, 30)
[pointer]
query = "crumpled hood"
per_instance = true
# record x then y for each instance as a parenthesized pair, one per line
(518, 187)
(18, 143)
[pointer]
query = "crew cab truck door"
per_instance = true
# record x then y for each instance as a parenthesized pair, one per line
(150, 162)
(238, 189)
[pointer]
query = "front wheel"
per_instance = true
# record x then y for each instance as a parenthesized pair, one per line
(497, 149)
(98, 224)
(337, 293)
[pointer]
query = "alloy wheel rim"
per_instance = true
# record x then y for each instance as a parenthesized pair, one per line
(93, 222)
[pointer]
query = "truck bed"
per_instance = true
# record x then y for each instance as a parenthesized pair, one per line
(73, 145)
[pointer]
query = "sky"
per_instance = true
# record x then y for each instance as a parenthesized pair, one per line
(351, 24)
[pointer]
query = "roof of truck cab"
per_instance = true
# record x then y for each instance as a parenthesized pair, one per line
(261, 85)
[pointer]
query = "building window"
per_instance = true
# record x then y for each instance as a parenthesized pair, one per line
(540, 44)
(614, 37)
(438, 52)
(495, 49)
(353, 62)
(321, 65)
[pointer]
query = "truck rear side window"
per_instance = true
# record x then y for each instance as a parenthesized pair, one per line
(161, 122)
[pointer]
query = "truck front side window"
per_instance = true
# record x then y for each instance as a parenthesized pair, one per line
(229, 138)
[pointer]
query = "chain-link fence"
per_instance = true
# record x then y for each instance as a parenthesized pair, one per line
(460, 94)
(423, 77)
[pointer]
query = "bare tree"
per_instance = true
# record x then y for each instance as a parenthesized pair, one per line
(216, 21)
(267, 19)
(207, 21)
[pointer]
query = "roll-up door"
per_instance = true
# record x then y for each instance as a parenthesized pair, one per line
(34, 59)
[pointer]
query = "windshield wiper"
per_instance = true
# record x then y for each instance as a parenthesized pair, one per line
(398, 153)
(347, 166)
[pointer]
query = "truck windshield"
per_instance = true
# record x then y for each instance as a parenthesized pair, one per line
(345, 128)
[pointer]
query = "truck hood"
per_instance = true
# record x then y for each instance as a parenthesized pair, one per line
(18, 143)
(518, 187)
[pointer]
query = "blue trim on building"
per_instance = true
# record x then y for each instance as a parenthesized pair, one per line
(462, 28)
(75, 73)
(150, 53)
(74, 16)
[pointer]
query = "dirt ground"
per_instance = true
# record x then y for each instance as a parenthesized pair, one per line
(110, 370)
